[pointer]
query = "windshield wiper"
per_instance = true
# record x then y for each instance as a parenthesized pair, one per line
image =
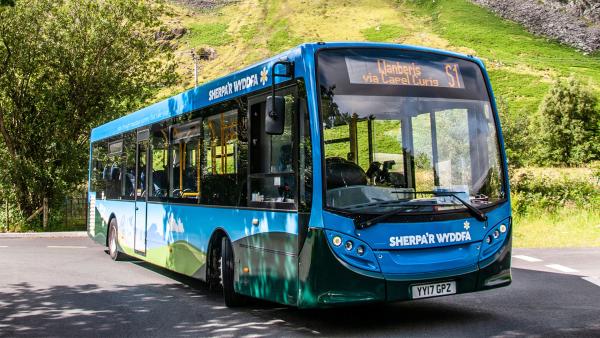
(372, 221)
(474, 211)
(478, 214)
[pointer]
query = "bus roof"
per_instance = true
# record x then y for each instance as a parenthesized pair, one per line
(241, 82)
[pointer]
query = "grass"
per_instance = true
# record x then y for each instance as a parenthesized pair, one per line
(568, 227)
(572, 222)
(248, 32)
(212, 34)
(282, 39)
(383, 33)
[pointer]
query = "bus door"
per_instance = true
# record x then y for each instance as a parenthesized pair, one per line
(141, 191)
(270, 252)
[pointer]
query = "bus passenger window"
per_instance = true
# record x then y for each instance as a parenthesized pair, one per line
(224, 156)
(158, 180)
(99, 168)
(128, 172)
(185, 161)
(112, 170)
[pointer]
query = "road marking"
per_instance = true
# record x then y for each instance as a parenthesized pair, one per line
(3, 246)
(66, 247)
(527, 258)
(561, 268)
(593, 280)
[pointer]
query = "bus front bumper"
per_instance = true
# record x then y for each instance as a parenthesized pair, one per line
(327, 281)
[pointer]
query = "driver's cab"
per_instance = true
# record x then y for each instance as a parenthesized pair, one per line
(363, 175)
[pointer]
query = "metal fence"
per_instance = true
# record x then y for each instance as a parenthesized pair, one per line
(70, 214)
(75, 213)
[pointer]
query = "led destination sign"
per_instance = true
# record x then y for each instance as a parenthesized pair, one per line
(403, 72)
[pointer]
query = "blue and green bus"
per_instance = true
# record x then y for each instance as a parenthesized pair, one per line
(331, 174)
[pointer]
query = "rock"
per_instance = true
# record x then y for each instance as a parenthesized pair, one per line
(178, 32)
(171, 34)
(207, 53)
(204, 4)
(575, 23)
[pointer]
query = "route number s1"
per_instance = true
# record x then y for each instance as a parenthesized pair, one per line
(453, 77)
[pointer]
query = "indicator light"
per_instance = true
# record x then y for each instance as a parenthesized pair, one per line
(337, 240)
(349, 245)
(360, 250)
(502, 228)
(488, 239)
(496, 234)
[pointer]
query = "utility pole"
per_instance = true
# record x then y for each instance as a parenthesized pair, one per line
(196, 58)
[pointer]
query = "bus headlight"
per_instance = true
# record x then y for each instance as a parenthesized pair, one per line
(360, 250)
(337, 240)
(494, 239)
(349, 245)
(352, 251)
(503, 228)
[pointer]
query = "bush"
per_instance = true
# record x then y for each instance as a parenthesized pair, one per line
(543, 193)
(516, 142)
(567, 125)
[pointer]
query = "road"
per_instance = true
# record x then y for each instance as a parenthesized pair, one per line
(70, 287)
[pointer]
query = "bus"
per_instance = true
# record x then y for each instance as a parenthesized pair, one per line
(330, 174)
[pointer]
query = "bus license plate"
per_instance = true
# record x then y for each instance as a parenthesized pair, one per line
(433, 290)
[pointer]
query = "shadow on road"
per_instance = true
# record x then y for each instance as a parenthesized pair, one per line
(186, 307)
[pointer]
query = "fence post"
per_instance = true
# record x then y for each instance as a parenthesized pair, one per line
(67, 211)
(45, 214)
(7, 217)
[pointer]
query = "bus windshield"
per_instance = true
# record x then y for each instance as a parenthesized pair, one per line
(406, 131)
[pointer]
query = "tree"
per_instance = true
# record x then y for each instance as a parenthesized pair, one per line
(7, 2)
(568, 125)
(65, 67)
(514, 127)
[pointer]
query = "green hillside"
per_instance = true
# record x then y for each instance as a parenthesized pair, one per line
(521, 65)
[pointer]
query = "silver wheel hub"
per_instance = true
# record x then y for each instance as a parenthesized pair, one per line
(221, 271)
(112, 243)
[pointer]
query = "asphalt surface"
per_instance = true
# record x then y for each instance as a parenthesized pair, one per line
(70, 287)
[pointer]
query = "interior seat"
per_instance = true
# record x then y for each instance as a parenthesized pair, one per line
(343, 173)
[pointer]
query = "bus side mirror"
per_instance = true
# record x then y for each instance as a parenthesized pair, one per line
(275, 115)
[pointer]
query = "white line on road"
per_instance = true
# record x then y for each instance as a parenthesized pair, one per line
(561, 268)
(593, 280)
(527, 258)
(66, 247)
(3, 246)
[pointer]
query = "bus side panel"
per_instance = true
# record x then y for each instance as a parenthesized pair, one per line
(176, 238)
(97, 227)
(326, 281)
(267, 266)
(124, 211)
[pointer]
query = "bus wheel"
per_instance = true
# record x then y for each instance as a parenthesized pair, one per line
(232, 298)
(113, 250)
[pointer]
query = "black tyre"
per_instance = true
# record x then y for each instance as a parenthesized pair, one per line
(113, 246)
(232, 298)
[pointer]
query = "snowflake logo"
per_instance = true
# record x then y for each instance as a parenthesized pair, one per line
(467, 225)
(264, 76)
